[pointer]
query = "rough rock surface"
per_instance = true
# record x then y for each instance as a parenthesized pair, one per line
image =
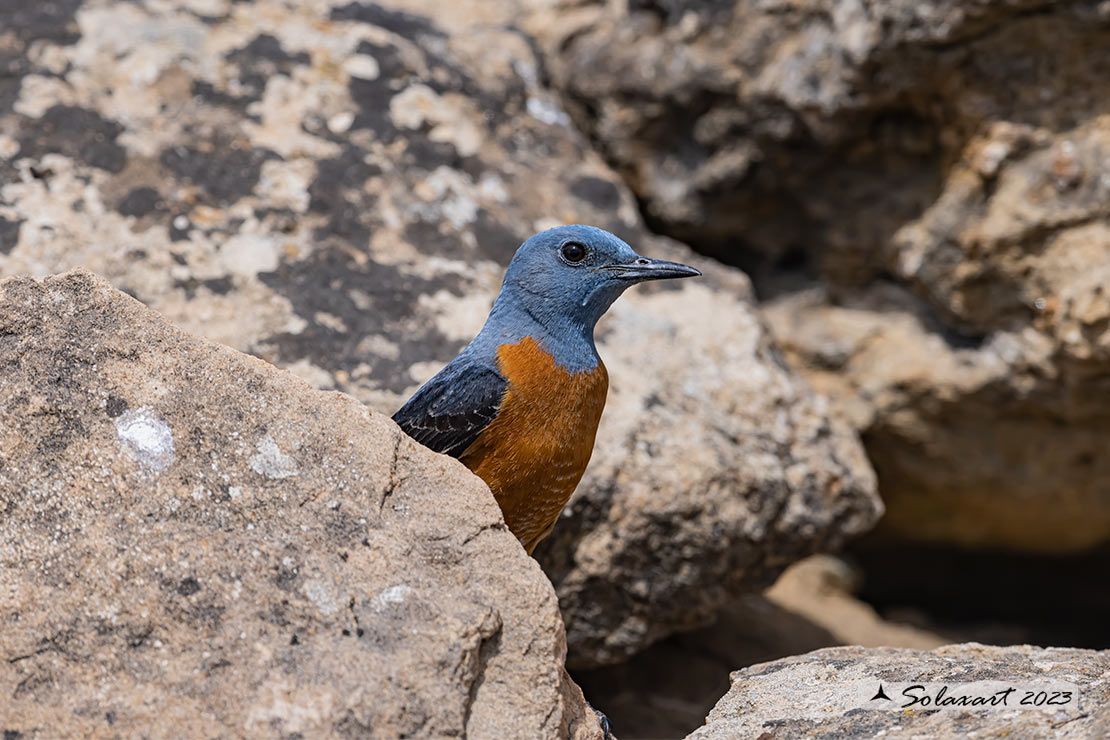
(196, 544)
(941, 168)
(993, 443)
(804, 696)
(762, 125)
(336, 186)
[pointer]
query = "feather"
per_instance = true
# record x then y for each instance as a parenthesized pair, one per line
(449, 412)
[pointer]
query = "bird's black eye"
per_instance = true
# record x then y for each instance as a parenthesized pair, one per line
(574, 252)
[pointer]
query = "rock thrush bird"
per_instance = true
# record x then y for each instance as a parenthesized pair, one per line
(520, 404)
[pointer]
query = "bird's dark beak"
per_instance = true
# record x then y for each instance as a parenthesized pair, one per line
(643, 268)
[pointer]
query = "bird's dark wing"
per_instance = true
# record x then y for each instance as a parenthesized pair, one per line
(451, 409)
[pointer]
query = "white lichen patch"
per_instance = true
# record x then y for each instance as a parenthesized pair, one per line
(249, 254)
(391, 595)
(449, 117)
(146, 438)
(331, 321)
(113, 72)
(363, 66)
(341, 122)
(545, 111)
(378, 345)
(456, 317)
(37, 93)
(294, 708)
(286, 103)
(208, 8)
(447, 194)
(9, 147)
(285, 183)
(322, 595)
(271, 461)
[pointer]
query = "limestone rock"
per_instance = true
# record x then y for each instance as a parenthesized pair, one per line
(196, 544)
(336, 187)
(939, 169)
(805, 696)
(991, 443)
(983, 406)
(808, 124)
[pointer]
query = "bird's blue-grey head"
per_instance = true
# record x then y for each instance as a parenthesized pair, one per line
(562, 280)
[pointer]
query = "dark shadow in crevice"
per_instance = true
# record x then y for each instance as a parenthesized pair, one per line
(667, 690)
(995, 597)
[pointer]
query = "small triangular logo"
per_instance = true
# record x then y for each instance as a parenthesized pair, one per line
(880, 694)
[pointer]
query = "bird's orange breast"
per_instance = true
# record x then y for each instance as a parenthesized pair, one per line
(536, 450)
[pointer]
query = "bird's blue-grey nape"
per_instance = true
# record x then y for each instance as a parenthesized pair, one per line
(557, 286)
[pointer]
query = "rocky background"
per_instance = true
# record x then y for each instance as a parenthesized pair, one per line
(918, 191)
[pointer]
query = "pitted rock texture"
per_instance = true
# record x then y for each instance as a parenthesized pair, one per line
(804, 696)
(940, 170)
(196, 544)
(336, 187)
(765, 125)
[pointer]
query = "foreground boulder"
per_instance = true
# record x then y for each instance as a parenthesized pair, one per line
(196, 544)
(939, 167)
(813, 695)
(337, 186)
